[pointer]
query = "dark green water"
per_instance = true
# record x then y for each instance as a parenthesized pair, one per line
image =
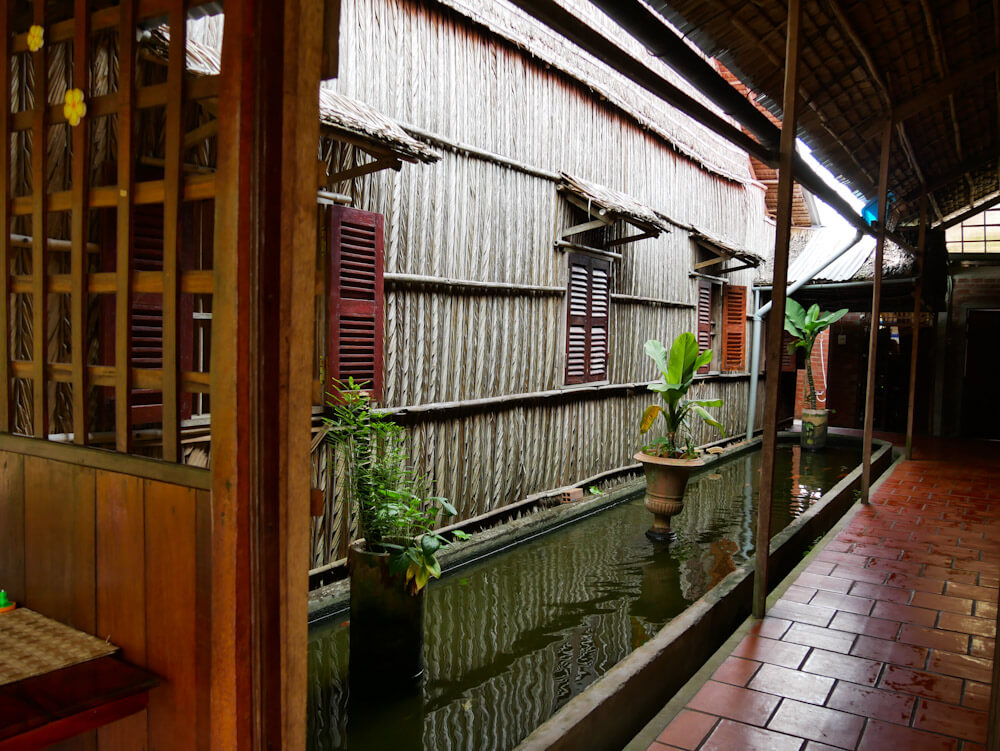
(510, 639)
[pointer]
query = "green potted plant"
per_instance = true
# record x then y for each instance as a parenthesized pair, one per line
(668, 460)
(806, 326)
(397, 555)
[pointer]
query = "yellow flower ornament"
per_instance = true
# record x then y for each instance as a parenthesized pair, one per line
(75, 108)
(36, 38)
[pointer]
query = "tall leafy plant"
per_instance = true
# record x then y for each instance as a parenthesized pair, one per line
(678, 368)
(806, 326)
(396, 513)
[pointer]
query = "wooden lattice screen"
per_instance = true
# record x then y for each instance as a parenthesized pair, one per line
(119, 111)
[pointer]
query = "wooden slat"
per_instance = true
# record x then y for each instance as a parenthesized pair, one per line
(146, 97)
(190, 382)
(78, 227)
(123, 262)
(105, 282)
(5, 118)
(171, 633)
(172, 182)
(196, 188)
(39, 250)
(60, 541)
(12, 524)
(121, 588)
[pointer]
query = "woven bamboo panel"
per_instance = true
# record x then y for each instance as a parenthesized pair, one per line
(31, 644)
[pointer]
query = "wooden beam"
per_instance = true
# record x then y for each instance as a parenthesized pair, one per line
(197, 187)
(39, 225)
(883, 206)
(577, 229)
(775, 324)
(974, 211)
(123, 255)
(364, 169)
(6, 412)
(172, 196)
(917, 306)
(631, 239)
(704, 264)
(947, 86)
(78, 228)
(204, 131)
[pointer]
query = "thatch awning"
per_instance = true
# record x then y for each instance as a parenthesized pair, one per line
(726, 249)
(612, 203)
(337, 113)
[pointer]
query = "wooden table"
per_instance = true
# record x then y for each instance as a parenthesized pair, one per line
(48, 708)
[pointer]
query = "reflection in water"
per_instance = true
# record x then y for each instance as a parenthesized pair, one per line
(511, 639)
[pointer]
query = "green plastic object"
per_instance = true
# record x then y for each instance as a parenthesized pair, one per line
(4, 600)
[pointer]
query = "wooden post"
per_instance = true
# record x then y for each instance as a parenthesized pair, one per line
(6, 418)
(883, 182)
(265, 240)
(172, 187)
(39, 231)
(78, 226)
(917, 304)
(993, 738)
(776, 323)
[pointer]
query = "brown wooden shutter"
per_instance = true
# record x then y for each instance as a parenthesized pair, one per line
(787, 353)
(734, 327)
(704, 333)
(587, 319)
(355, 299)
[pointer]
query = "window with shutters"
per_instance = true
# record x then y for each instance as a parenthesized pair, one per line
(589, 300)
(354, 330)
(734, 327)
(704, 333)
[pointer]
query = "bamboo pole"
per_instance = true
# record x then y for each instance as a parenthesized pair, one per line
(883, 182)
(775, 324)
(917, 304)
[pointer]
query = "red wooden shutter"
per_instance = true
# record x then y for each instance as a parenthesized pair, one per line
(734, 327)
(355, 299)
(704, 333)
(587, 319)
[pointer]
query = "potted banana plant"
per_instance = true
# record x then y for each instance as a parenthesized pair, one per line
(397, 555)
(669, 460)
(806, 326)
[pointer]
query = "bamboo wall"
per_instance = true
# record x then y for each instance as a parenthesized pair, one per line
(468, 218)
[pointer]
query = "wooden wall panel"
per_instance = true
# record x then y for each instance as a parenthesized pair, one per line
(121, 590)
(12, 525)
(59, 542)
(171, 617)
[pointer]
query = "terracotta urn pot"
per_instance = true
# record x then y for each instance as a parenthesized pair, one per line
(387, 625)
(814, 424)
(666, 480)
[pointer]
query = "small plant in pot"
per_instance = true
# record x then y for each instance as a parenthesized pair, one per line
(397, 556)
(668, 460)
(806, 326)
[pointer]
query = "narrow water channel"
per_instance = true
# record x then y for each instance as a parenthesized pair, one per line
(510, 639)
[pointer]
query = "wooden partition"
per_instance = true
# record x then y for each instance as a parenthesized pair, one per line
(123, 557)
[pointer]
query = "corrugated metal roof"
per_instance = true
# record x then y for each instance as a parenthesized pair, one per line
(825, 243)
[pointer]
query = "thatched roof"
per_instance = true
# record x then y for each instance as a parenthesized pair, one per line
(725, 247)
(336, 111)
(614, 203)
(932, 65)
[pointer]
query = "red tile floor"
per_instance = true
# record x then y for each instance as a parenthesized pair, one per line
(885, 641)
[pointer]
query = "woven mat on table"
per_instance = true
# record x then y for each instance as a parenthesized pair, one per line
(31, 644)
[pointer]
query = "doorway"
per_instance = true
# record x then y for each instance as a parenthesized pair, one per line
(981, 408)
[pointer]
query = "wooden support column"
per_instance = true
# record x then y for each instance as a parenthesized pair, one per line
(261, 396)
(39, 231)
(993, 737)
(776, 322)
(6, 419)
(123, 254)
(917, 304)
(78, 225)
(883, 183)
(172, 187)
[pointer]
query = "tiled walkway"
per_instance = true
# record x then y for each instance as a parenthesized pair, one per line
(885, 642)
